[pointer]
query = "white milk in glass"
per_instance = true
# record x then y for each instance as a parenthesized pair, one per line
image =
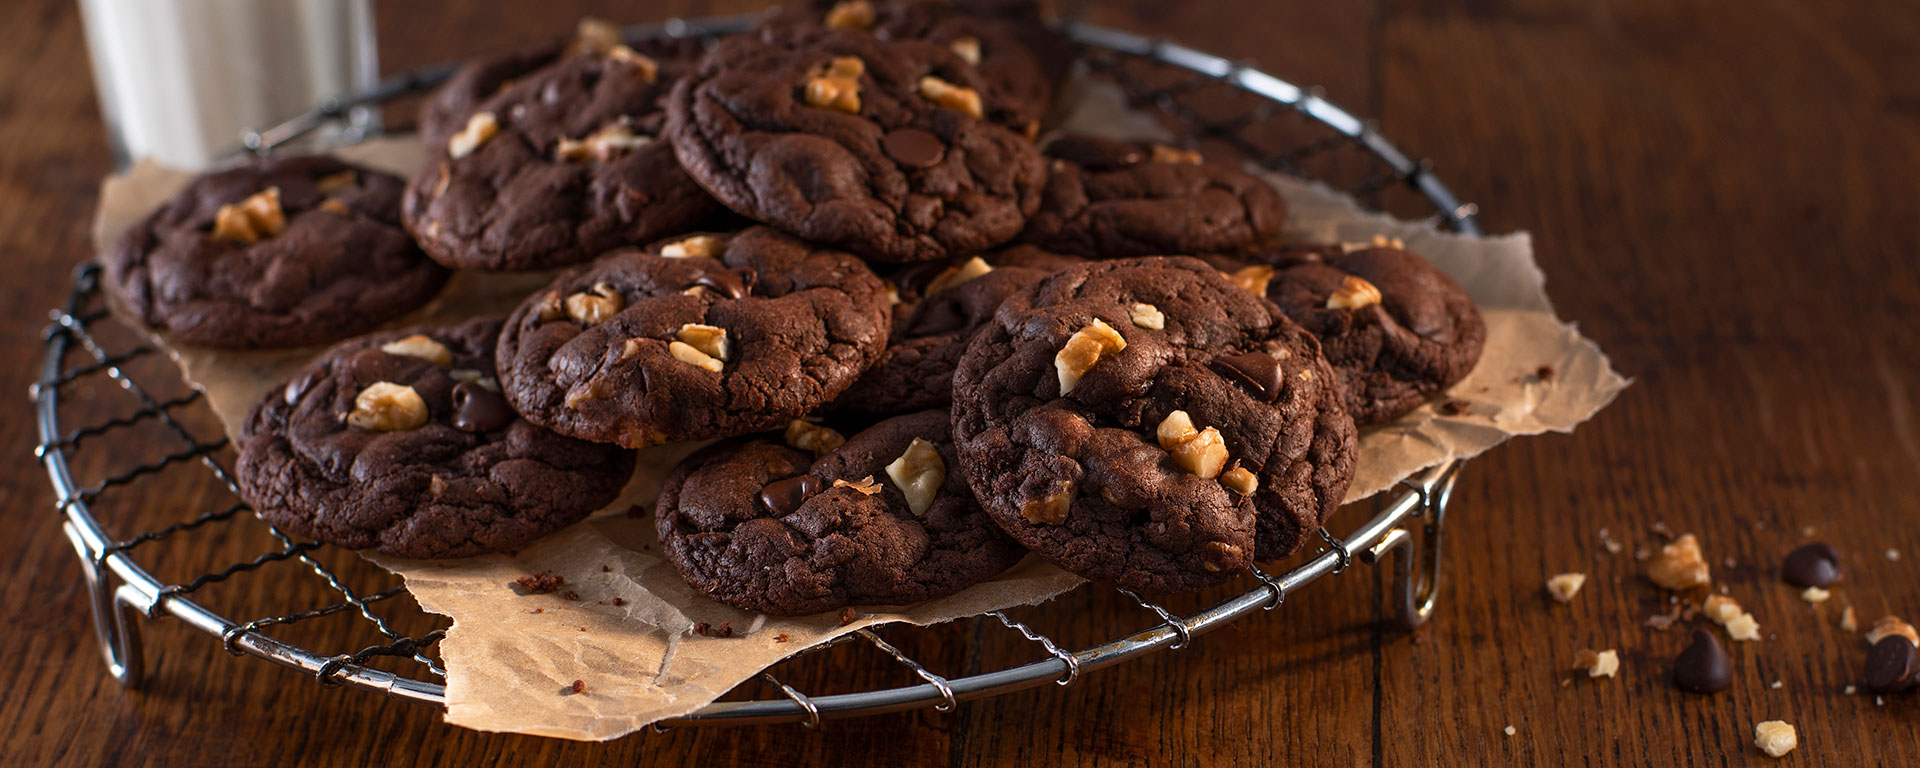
(181, 80)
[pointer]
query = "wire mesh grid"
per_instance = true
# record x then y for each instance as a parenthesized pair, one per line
(389, 643)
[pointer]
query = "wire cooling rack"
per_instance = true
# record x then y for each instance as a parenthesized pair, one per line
(1217, 104)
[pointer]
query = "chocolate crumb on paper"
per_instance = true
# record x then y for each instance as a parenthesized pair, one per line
(542, 583)
(579, 686)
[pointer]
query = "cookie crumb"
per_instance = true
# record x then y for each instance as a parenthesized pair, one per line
(1597, 663)
(1564, 586)
(539, 610)
(780, 638)
(1544, 373)
(571, 595)
(1664, 621)
(1893, 554)
(1510, 730)
(579, 686)
(847, 615)
(1848, 622)
(1806, 531)
(1815, 595)
(708, 630)
(1453, 407)
(541, 583)
(1612, 545)
(619, 601)
(1775, 737)
(583, 629)
(606, 569)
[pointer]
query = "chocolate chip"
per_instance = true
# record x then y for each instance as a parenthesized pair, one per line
(1814, 565)
(1704, 666)
(1892, 665)
(475, 409)
(785, 496)
(1095, 153)
(727, 283)
(913, 147)
(298, 387)
(1256, 369)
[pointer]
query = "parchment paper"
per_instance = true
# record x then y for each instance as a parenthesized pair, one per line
(511, 658)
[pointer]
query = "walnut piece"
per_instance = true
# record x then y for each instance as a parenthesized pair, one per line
(707, 338)
(1240, 481)
(1848, 622)
(481, 127)
(1165, 154)
(1597, 663)
(686, 353)
(1083, 350)
(250, 220)
(479, 378)
(609, 142)
(967, 48)
(1564, 586)
(1217, 556)
(864, 485)
(1721, 609)
(1147, 316)
(1775, 737)
(1253, 279)
(1353, 293)
(1743, 627)
(387, 407)
(918, 473)
(960, 273)
(1815, 595)
(337, 182)
(333, 205)
(594, 35)
(648, 69)
(1888, 626)
(1679, 565)
(808, 436)
(1201, 452)
(951, 96)
(1051, 510)
(1378, 241)
(851, 14)
(593, 306)
(420, 346)
(837, 85)
(696, 247)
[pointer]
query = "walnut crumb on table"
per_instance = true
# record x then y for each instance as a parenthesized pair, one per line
(1564, 586)
(1775, 737)
(1597, 663)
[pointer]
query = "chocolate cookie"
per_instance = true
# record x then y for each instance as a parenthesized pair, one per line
(557, 167)
(1113, 199)
(1008, 43)
(884, 519)
(1397, 331)
(881, 148)
(446, 111)
(705, 336)
(940, 310)
(1146, 423)
(283, 252)
(399, 442)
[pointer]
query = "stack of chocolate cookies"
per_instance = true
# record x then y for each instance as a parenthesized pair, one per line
(926, 343)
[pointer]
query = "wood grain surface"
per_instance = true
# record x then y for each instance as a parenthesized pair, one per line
(1723, 195)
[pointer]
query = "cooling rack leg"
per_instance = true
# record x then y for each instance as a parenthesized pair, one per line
(1416, 573)
(116, 616)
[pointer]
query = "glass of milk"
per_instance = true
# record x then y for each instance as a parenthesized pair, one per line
(181, 81)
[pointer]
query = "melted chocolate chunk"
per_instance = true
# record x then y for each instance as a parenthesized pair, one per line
(1255, 369)
(298, 387)
(785, 496)
(475, 409)
(1892, 665)
(1814, 565)
(729, 283)
(913, 147)
(1704, 666)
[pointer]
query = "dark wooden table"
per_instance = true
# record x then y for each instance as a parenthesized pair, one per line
(1723, 195)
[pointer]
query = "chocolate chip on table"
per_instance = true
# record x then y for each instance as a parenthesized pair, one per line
(1813, 565)
(1893, 665)
(1704, 666)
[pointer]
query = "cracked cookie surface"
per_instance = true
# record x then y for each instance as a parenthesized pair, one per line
(877, 147)
(1147, 423)
(763, 526)
(699, 337)
(1397, 331)
(557, 167)
(335, 263)
(1112, 199)
(396, 442)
